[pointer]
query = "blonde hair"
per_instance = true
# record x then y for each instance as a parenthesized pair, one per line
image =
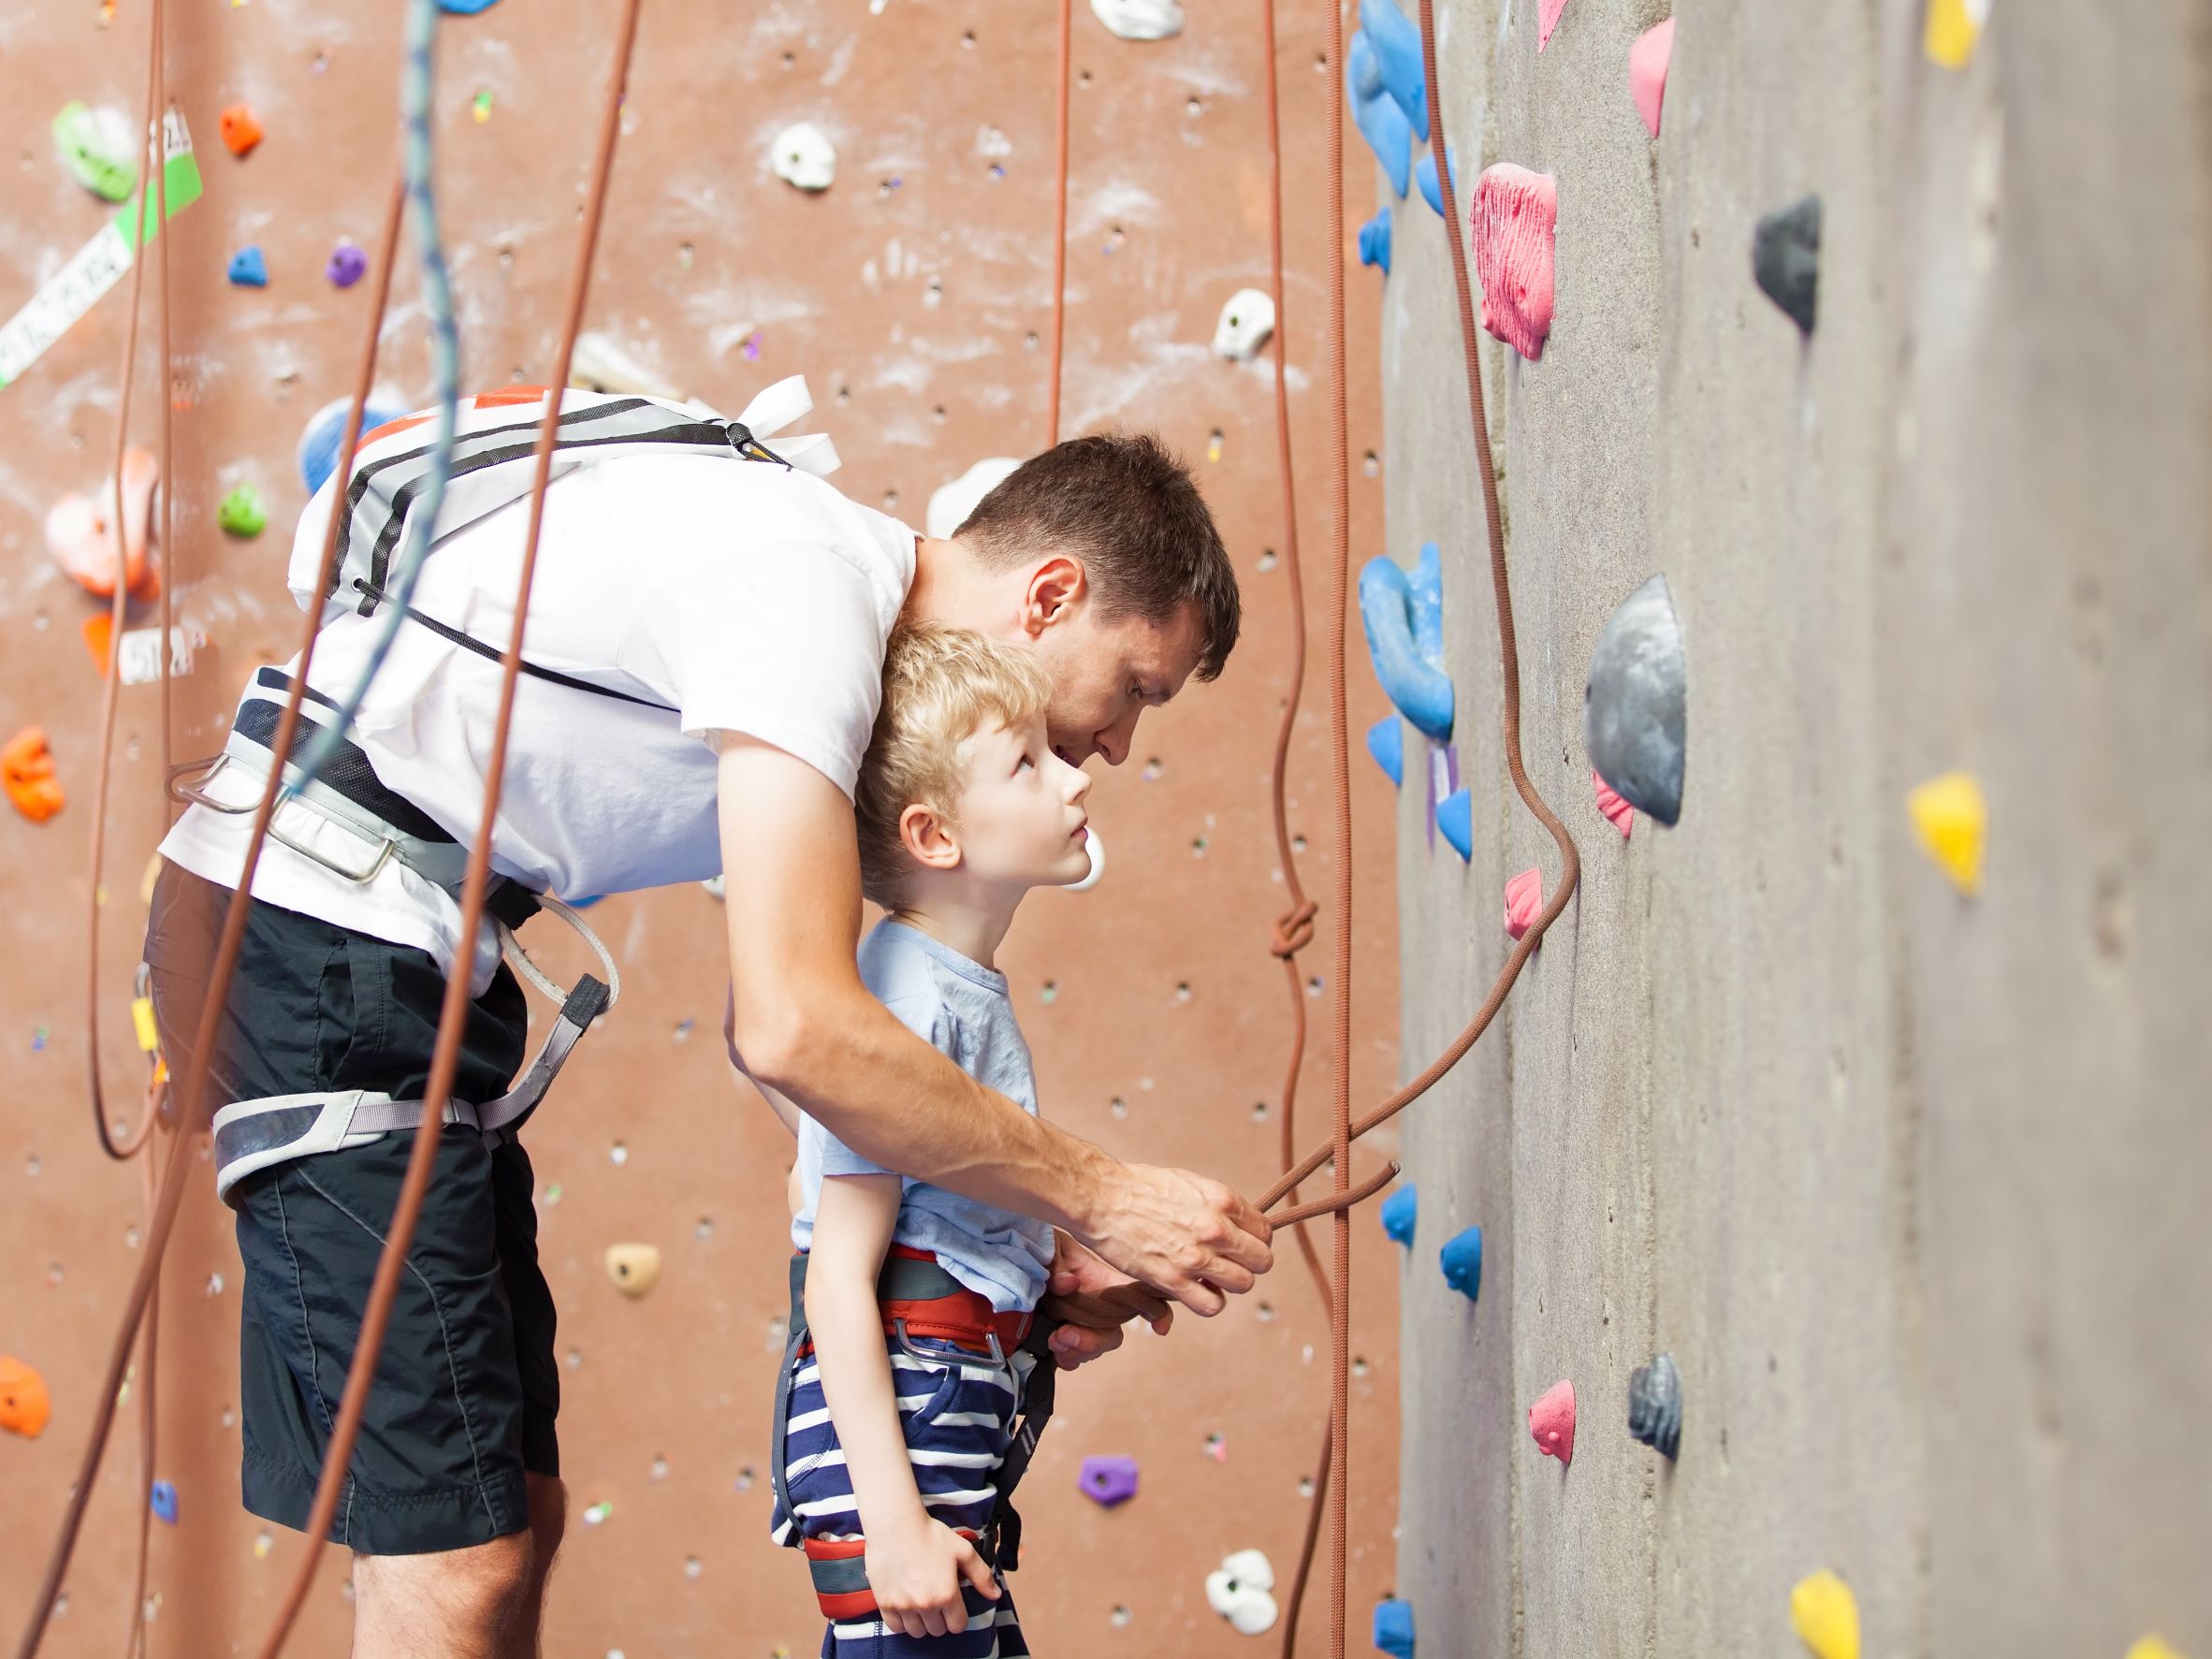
(941, 687)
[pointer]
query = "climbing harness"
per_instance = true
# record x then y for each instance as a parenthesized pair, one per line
(920, 1299)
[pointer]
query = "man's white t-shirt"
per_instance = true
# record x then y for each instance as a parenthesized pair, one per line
(747, 596)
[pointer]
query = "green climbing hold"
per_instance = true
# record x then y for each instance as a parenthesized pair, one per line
(242, 513)
(95, 146)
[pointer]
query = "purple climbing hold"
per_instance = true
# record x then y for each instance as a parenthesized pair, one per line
(348, 264)
(1110, 1480)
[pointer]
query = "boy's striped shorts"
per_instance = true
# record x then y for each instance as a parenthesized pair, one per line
(957, 1409)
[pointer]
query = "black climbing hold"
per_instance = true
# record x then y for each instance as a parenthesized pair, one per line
(1785, 259)
(1633, 707)
(1655, 1404)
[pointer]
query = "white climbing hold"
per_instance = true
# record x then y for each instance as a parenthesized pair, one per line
(600, 365)
(1097, 851)
(1241, 1592)
(950, 506)
(1248, 320)
(803, 156)
(1140, 20)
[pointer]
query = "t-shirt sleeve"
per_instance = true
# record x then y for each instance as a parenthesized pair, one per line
(783, 643)
(926, 1018)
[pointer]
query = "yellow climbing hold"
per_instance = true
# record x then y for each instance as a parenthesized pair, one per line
(2154, 1647)
(1952, 821)
(143, 1018)
(1826, 1615)
(1953, 28)
(636, 1269)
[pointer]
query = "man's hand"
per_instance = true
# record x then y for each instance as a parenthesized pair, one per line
(1190, 1239)
(1092, 1301)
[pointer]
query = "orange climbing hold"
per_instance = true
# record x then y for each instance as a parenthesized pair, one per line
(1524, 901)
(23, 1404)
(1615, 811)
(26, 768)
(241, 128)
(81, 530)
(1552, 1421)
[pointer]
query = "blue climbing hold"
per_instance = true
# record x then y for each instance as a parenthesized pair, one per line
(249, 267)
(1403, 617)
(1455, 822)
(1425, 174)
(1375, 242)
(1386, 742)
(1397, 44)
(319, 443)
(165, 1501)
(1393, 1627)
(1462, 1263)
(1397, 1211)
(1381, 122)
(466, 8)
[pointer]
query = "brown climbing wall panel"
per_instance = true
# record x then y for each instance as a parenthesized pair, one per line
(914, 295)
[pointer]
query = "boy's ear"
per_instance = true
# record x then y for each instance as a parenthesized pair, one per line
(927, 836)
(1054, 589)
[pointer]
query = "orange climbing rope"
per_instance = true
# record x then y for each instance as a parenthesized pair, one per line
(1052, 394)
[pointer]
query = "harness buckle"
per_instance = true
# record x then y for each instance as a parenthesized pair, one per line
(750, 447)
(193, 791)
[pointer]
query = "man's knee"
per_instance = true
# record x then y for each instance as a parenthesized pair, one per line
(486, 1589)
(548, 1519)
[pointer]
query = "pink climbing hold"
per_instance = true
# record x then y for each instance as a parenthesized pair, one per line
(1617, 812)
(1510, 219)
(1546, 21)
(1647, 72)
(1552, 1421)
(1524, 901)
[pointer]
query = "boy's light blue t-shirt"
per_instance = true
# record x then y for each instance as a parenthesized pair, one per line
(961, 1009)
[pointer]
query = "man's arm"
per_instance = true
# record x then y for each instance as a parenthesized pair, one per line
(807, 1025)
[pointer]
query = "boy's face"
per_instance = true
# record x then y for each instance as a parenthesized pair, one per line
(1020, 820)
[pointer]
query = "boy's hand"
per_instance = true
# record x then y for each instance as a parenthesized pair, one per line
(916, 1568)
(1092, 1301)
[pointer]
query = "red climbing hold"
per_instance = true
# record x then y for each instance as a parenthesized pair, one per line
(241, 128)
(23, 1404)
(1551, 1420)
(1618, 812)
(1647, 72)
(1511, 220)
(26, 770)
(1546, 21)
(1524, 901)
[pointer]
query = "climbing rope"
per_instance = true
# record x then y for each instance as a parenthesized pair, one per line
(1052, 394)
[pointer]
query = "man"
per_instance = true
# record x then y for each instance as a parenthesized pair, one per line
(705, 649)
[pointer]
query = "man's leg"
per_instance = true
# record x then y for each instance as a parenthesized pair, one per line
(484, 1602)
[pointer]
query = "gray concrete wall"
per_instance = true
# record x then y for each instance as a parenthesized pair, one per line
(1913, 1186)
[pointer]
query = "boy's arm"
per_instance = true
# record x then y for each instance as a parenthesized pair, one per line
(914, 1562)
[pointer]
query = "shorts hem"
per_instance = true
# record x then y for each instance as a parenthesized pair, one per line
(389, 1523)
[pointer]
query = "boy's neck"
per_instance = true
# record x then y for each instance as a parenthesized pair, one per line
(952, 913)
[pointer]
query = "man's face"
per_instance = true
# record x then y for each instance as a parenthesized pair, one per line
(1106, 672)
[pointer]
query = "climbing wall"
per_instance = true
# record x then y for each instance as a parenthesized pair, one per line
(915, 295)
(1906, 1178)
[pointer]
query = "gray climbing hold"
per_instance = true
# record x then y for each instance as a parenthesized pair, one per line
(1785, 259)
(1633, 707)
(1655, 1404)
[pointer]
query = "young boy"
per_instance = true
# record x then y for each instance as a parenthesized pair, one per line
(898, 1399)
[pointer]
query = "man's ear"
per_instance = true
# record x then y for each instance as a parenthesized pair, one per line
(1054, 590)
(927, 836)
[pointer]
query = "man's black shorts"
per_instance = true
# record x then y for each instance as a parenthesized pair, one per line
(467, 1386)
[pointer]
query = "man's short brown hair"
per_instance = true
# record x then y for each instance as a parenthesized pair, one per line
(1124, 505)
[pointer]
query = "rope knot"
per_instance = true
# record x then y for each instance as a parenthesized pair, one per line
(1294, 930)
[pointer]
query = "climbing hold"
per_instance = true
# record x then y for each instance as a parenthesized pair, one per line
(27, 775)
(1247, 318)
(1424, 175)
(1952, 822)
(1656, 1406)
(81, 530)
(1404, 618)
(241, 512)
(480, 106)
(1953, 29)
(1524, 901)
(97, 146)
(1399, 1211)
(950, 503)
(2152, 1647)
(1381, 122)
(1825, 1616)
(1510, 222)
(1109, 1481)
(24, 1406)
(1632, 705)
(466, 8)
(347, 265)
(249, 267)
(325, 427)
(1375, 242)
(1396, 42)
(1647, 72)
(1462, 1261)
(803, 156)
(1393, 1627)
(241, 128)
(1547, 20)
(165, 1501)
(1386, 742)
(599, 365)
(1615, 811)
(1242, 1592)
(1140, 20)
(1455, 822)
(1552, 1421)
(636, 1269)
(1785, 260)
(598, 1513)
